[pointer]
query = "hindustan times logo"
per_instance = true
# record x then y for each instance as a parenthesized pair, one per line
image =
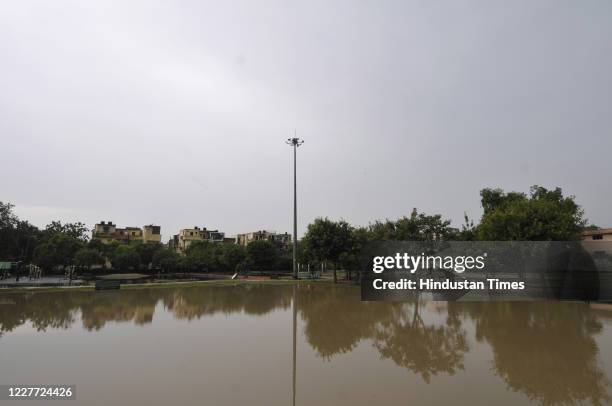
(413, 263)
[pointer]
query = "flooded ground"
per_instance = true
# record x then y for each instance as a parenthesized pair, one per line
(234, 345)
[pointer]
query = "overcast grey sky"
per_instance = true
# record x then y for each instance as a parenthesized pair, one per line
(176, 112)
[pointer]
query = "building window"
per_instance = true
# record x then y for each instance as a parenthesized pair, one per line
(598, 237)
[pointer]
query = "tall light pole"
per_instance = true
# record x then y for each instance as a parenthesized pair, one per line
(295, 143)
(294, 305)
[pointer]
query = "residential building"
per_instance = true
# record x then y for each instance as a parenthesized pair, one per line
(601, 234)
(187, 236)
(129, 234)
(104, 231)
(598, 242)
(283, 240)
(107, 231)
(151, 233)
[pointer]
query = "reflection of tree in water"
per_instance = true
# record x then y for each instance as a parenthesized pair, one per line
(61, 309)
(335, 319)
(43, 311)
(545, 350)
(194, 303)
(335, 322)
(137, 306)
(427, 350)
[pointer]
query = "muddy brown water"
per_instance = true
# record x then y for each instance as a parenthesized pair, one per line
(234, 345)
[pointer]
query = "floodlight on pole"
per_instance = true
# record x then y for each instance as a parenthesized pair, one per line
(295, 143)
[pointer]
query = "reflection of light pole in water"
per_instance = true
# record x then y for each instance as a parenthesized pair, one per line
(295, 143)
(294, 338)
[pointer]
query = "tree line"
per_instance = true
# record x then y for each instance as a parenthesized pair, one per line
(60, 245)
(541, 215)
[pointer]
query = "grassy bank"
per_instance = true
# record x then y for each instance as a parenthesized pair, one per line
(162, 285)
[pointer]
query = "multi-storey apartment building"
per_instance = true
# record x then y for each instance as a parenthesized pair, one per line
(151, 233)
(282, 240)
(104, 231)
(107, 231)
(181, 241)
(598, 241)
(600, 234)
(129, 234)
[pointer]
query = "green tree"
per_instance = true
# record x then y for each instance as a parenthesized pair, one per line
(230, 256)
(417, 227)
(466, 233)
(18, 238)
(56, 250)
(147, 252)
(88, 257)
(351, 258)
(327, 240)
(544, 215)
(46, 257)
(201, 256)
(262, 255)
(125, 258)
(77, 231)
(167, 260)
